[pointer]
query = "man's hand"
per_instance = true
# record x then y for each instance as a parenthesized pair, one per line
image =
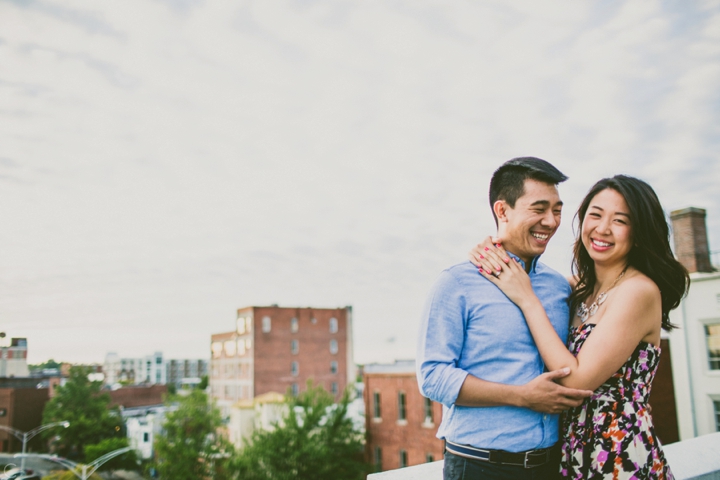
(544, 395)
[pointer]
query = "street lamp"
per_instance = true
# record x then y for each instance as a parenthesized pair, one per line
(24, 437)
(86, 470)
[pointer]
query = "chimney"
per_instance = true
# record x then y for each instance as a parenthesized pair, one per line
(691, 244)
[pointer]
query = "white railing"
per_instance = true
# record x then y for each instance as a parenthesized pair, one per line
(696, 459)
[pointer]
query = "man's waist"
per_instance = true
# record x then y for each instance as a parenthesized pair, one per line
(504, 428)
(525, 459)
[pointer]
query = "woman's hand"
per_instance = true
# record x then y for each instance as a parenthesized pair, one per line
(509, 276)
(480, 258)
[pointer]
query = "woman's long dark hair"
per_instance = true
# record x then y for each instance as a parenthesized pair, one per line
(650, 254)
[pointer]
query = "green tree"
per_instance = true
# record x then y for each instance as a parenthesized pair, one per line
(189, 447)
(81, 403)
(126, 461)
(315, 440)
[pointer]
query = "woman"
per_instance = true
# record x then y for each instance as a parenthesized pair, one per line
(627, 282)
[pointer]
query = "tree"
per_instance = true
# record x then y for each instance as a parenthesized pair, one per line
(81, 403)
(314, 441)
(126, 461)
(189, 447)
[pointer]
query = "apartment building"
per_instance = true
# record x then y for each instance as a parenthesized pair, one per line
(278, 349)
(13, 357)
(400, 423)
(696, 343)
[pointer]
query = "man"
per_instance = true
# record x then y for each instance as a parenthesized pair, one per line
(476, 354)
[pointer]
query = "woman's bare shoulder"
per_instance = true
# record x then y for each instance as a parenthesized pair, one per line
(639, 289)
(572, 280)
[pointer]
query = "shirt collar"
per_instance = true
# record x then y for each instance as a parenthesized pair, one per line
(533, 262)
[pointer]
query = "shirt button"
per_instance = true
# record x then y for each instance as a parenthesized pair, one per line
(545, 417)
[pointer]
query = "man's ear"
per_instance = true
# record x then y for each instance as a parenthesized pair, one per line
(500, 208)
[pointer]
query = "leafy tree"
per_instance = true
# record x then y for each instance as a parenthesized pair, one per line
(189, 447)
(204, 382)
(314, 441)
(81, 403)
(126, 461)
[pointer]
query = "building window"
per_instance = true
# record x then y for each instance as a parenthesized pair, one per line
(712, 333)
(334, 388)
(716, 404)
(146, 437)
(402, 406)
(294, 347)
(241, 325)
(294, 325)
(428, 411)
(217, 349)
(429, 457)
(294, 369)
(403, 458)
(230, 348)
(240, 349)
(266, 324)
(333, 325)
(333, 366)
(378, 459)
(333, 346)
(376, 405)
(295, 389)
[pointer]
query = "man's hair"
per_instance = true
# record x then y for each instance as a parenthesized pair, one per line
(508, 181)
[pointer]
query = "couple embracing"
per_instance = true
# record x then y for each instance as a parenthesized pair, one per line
(545, 377)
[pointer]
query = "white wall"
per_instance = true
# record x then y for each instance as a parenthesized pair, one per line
(696, 386)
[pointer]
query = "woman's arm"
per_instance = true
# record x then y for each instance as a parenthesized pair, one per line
(631, 314)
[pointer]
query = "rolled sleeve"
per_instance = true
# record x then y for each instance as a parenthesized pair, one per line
(441, 339)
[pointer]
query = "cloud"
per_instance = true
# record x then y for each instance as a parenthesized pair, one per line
(184, 159)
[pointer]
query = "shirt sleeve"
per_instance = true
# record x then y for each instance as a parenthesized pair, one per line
(442, 335)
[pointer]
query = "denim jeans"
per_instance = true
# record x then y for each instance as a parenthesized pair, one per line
(461, 468)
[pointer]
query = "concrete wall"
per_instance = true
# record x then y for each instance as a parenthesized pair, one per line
(696, 459)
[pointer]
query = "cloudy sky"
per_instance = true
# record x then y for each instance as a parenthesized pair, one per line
(163, 163)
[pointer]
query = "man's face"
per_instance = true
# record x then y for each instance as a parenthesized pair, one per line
(526, 229)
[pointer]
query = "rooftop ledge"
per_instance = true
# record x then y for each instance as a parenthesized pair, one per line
(695, 459)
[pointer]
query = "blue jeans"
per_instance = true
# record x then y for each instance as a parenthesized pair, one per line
(461, 468)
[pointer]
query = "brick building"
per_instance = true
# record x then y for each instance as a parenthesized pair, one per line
(400, 423)
(21, 408)
(278, 349)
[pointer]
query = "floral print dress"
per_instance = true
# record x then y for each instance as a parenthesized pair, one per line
(611, 435)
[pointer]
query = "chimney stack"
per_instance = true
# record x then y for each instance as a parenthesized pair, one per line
(691, 243)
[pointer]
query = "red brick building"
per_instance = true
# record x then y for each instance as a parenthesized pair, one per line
(21, 409)
(400, 423)
(278, 349)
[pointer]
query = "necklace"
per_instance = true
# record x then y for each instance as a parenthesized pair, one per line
(585, 312)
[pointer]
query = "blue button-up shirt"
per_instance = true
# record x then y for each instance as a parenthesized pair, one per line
(470, 327)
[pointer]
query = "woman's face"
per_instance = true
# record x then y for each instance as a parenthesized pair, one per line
(606, 231)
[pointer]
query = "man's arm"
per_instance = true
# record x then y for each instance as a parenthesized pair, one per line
(442, 336)
(541, 394)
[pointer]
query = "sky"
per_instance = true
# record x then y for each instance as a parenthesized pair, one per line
(164, 163)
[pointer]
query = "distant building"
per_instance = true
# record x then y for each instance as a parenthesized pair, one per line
(696, 344)
(276, 349)
(143, 410)
(146, 370)
(400, 423)
(186, 372)
(261, 413)
(152, 370)
(13, 358)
